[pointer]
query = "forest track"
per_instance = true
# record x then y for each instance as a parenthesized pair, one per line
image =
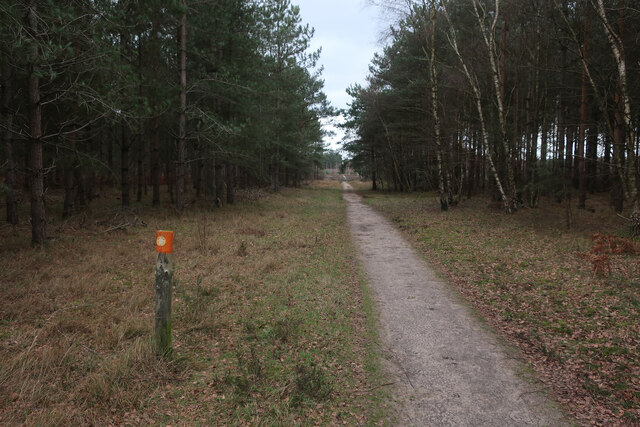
(447, 369)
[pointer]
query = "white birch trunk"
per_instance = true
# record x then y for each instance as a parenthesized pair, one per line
(617, 48)
(489, 39)
(471, 78)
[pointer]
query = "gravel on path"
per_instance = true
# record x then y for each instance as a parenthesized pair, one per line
(447, 368)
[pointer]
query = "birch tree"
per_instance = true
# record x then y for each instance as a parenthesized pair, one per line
(618, 51)
(435, 102)
(508, 201)
(488, 35)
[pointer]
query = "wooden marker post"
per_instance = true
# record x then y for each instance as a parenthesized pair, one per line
(164, 285)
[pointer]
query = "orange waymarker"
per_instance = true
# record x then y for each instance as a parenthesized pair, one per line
(164, 241)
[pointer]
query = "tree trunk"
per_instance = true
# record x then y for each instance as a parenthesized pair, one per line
(374, 180)
(91, 181)
(111, 173)
(155, 159)
(36, 171)
(182, 122)
(544, 142)
(69, 194)
(592, 158)
(73, 188)
(171, 178)
(78, 176)
(196, 175)
(230, 183)
(489, 39)
(276, 164)
(617, 47)
(433, 82)
(582, 185)
(210, 180)
(139, 167)
(533, 121)
(503, 50)
(618, 190)
(81, 195)
(220, 184)
(276, 171)
(477, 96)
(562, 108)
(124, 165)
(155, 121)
(10, 169)
(570, 144)
(617, 193)
(473, 171)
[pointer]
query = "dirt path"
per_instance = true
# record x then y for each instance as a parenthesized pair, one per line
(447, 369)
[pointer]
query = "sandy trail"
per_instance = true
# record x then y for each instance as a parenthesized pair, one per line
(447, 369)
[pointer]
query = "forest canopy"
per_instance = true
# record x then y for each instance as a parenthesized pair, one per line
(511, 97)
(210, 93)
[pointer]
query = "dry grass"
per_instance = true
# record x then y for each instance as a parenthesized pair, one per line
(528, 275)
(268, 328)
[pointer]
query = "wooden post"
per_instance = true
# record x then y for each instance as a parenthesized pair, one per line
(164, 285)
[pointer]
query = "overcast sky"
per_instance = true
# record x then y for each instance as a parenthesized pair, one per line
(347, 31)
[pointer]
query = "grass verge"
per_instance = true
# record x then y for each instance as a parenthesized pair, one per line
(271, 322)
(534, 280)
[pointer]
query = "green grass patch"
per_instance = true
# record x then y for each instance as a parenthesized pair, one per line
(272, 323)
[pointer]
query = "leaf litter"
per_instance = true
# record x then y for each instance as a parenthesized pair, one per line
(568, 299)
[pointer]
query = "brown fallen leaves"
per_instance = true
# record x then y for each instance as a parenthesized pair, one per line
(526, 274)
(605, 246)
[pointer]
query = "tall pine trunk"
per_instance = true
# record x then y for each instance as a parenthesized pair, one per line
(7, 136)
(619, 190)
(69, 195)
(276, 164)
(155, 122)
(72, 173)
(182, 121)
(592, 158)
(139, 167)
(125, 186)
(124, 165)
(582, 183)
(220, 185)
(155, 158)
(562, 108)
(231, 178)
(35, 169)
(139, 135)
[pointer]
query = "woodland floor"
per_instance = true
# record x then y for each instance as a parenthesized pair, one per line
(272, 321)
(447, 368)
(269, 327)
(569, 299)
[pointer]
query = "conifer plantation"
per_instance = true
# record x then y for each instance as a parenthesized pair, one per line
(470, 255)
(120, 118)
(522, 117)
(216, 95)
(510, 98)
